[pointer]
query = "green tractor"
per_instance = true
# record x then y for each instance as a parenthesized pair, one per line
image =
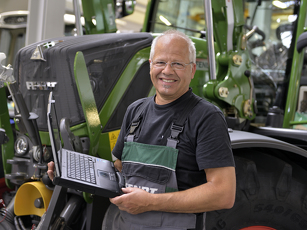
(251, 63)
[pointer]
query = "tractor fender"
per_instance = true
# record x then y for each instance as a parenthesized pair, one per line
(243, 139)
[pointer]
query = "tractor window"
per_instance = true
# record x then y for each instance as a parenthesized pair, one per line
(186, 16)
(270, 53)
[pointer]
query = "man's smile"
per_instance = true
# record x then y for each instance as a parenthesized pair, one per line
(167, 80)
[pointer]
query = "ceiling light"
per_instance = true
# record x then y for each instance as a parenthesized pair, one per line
(279, 4)
(164, 20)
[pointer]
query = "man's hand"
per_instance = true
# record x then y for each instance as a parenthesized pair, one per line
(50, 170)
(134, 201)
(118, 165)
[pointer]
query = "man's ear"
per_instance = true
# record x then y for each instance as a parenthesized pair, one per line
(193, 69)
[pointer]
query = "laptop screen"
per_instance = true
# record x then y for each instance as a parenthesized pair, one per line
(53, 128)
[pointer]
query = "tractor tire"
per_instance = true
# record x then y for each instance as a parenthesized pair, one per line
(271, 195)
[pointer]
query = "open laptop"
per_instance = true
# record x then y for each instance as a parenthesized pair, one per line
(81, 171)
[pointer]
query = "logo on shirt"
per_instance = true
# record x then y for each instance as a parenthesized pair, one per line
(147, 189)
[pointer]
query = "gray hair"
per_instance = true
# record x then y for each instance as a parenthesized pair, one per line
(191, 46)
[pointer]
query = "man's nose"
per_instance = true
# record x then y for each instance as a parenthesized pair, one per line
(168, 68)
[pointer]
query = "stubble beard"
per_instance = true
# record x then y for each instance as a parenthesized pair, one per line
(166, 86)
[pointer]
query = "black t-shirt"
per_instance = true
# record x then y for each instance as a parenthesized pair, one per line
(204, 142)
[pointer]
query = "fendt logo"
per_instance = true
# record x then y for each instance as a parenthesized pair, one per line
(40, 85)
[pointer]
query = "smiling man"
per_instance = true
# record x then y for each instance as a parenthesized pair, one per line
(173, 149)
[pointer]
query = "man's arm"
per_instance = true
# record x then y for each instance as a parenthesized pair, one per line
(218, 193)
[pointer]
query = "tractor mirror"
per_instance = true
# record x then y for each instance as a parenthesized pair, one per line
(3, 137)
(124, 8)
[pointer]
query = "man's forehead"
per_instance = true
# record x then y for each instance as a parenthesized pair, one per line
(169, 43)
(172, 46)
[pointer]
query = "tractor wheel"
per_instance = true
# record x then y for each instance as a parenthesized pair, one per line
(271, 195)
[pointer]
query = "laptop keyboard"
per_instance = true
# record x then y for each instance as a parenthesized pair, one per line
(80, 167)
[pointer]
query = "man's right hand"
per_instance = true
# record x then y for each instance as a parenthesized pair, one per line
(50, 171)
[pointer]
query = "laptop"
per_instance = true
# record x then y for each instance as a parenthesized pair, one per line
(80, 171)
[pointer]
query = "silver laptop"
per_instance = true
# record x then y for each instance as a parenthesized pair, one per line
(81, 171)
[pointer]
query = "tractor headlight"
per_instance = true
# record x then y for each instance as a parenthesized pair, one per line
(21, 145)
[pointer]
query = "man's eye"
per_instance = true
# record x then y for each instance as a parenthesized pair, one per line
(160, 63)
(178, 64)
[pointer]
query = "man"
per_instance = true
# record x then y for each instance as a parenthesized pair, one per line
(204, 168)
(170, 185)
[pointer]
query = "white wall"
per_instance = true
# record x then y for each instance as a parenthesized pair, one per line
(11, 5)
